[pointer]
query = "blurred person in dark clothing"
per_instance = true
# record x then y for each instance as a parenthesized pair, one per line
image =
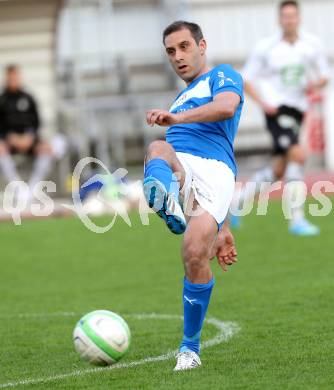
(19, 130)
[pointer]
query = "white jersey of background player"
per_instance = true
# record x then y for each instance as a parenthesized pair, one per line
(278, 75)
(287, 69)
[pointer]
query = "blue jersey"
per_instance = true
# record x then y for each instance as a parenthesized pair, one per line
(213, 140)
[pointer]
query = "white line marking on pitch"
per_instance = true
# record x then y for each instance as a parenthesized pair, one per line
(226, 331)
(39, 315)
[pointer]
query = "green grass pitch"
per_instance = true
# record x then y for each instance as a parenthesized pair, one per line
(281, 294)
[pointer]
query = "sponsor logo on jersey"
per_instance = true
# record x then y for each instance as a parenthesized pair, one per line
(199, 91)
(223, 79)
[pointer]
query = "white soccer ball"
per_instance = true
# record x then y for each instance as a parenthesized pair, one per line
(101, 337)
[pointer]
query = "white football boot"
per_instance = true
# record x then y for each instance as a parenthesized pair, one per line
(187, 360)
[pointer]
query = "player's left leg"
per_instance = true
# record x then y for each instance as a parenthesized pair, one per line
(294, 177)
(7, 164)
(43, 163)
(197, 246)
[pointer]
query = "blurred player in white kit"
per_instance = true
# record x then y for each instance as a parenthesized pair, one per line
(288, 66)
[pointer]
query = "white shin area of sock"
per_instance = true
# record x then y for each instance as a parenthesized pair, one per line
(295, 190)
(42, 167)
(264, 175)
(8, 168)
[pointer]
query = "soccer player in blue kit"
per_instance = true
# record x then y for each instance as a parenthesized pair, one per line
(189, 178)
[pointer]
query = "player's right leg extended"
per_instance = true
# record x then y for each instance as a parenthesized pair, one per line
(161, 186)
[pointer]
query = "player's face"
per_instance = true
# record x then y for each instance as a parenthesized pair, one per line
(185, 55)
(13, 81)
(289, 19)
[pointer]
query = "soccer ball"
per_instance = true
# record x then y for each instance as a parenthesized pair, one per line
(101, 337)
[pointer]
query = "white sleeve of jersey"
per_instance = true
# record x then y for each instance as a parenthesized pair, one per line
(321, 62)
(256, 64)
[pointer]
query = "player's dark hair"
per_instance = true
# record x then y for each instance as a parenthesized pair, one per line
(285, 3)
(12, 68)
(194, 29)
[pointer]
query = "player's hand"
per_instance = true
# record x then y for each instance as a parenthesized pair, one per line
(21, 142)
(226, 252)
(310, 88)
(269, 109)
(313, 92)
(161, 118)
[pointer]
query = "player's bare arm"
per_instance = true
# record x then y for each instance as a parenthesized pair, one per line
(253, 93)
(317, 85)
(21, 142)
(222, 107)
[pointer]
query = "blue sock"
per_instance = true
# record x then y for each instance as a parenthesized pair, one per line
(196, 298)
(159, 169)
